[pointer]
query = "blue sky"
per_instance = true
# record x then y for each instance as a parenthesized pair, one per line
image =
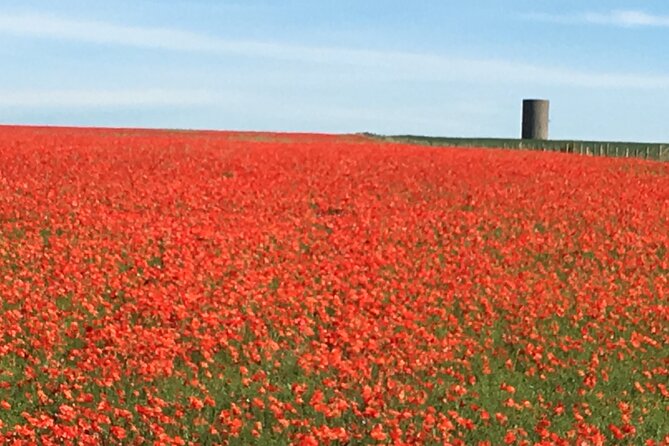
(451, 68)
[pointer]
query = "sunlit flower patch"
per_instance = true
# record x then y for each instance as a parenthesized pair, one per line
(238, 288)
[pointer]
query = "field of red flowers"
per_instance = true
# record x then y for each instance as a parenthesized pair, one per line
(239, 288)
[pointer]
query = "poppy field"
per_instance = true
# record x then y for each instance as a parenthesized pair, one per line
(166, 287)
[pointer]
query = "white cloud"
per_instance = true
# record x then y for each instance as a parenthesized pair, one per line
(106, 98)
(628, 19)
(373, 64)
(619, 18)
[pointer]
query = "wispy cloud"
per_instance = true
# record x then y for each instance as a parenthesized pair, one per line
(628, 18)
(372, 63)
(107, 98)
(620, 18)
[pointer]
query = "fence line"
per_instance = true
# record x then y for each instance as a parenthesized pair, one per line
(658, 152)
